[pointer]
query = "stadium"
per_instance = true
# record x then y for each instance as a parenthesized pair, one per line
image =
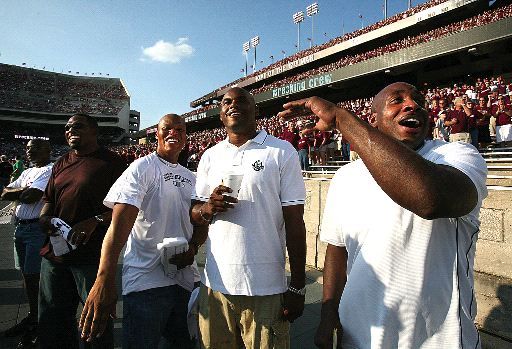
(447, 48)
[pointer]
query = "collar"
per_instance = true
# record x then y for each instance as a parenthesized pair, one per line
(260, 138)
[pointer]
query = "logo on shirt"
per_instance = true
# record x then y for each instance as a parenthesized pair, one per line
(258, 165)
(177, 180)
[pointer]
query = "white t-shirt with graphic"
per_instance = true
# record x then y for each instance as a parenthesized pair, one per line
(410, 280)
(161, 191)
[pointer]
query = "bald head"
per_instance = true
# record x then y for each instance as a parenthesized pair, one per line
(169, 117)
(380, 97)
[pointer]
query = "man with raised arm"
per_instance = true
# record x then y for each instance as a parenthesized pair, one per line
(401, 274)
(245, 299)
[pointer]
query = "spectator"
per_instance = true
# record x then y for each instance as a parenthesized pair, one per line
(245, 293)
(29, 236)
(154, 303)
(17, 167)
(458, 121)
(5, 171)
(503, 116)
(79, 181)
(381, 274)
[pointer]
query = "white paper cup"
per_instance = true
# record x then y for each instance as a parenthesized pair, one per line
(233, 181)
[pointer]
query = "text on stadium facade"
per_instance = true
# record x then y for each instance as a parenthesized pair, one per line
(195, 117)
(302, 85)
(31, 137)
(285, 67)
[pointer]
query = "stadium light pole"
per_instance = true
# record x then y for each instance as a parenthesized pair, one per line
(385, 9)
(246, 47)
(410, 4)
(312, 10)
(298, 17)
(255, 42)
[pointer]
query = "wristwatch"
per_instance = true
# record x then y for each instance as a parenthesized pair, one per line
(300, 292)
(99, 218)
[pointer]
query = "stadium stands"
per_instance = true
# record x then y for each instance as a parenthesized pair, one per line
(37, 102)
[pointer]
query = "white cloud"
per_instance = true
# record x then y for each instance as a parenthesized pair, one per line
(167, 52)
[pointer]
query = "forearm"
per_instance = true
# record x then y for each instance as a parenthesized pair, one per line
(199, 236)
(334, 279)
(296, 244)
(123, 218)
(389, 160)
(12, 194)
(200, 214)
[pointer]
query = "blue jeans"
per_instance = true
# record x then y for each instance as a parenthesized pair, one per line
(304, 159)
(61, 287)
(157, 315)
(28, 240)
(474, 137)
(345, 151)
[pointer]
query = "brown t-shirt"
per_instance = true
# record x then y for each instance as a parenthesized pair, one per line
(76, 189)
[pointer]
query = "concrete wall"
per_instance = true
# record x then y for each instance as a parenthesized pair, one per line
(493, 263)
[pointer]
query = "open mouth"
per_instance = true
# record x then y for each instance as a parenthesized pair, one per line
(410, 123)
(171, 140)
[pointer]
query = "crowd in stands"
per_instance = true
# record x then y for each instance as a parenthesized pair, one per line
(479, 20)
(33, 90)
(476, 21)
(488, 88)
(340, 39)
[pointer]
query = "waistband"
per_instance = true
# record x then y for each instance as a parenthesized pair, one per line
(25, 221)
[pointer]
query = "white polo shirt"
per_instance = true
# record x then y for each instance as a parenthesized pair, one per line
(410, 280)
(246, 245)
(161, 191)
(36, 178)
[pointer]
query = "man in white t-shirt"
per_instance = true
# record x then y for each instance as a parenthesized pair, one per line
(401, 226)
(150, 202)
(245, 298)
(29, 236)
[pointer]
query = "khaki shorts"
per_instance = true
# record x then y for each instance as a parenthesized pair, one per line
(460, 137)
(231, 322)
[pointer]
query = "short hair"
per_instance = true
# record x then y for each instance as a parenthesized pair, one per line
(90, 120)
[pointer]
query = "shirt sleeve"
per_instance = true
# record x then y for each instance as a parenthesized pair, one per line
(293, 189)
(41, 180)
(202, 190)
(17, 182)
(131, 187)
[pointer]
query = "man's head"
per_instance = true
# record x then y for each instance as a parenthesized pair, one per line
(171, 136)
(238, 111)
(458, 103)
(3, 158)
(398, 111)
(81, 133)
(38, 152)
(443, 104)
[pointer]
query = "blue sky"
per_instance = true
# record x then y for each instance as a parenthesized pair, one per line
(168, 52)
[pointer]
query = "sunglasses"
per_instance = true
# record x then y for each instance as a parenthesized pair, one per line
(76, 126)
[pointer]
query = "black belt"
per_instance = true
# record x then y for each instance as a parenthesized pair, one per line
(26, 221)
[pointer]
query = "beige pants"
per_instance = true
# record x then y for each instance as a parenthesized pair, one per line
(233, 322)
(460, 137)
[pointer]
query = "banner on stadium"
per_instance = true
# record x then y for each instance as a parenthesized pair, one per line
(299, 86)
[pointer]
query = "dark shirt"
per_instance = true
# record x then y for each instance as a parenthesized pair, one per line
(462, 124)
(5, 170)
(76, 189)
(291, 137)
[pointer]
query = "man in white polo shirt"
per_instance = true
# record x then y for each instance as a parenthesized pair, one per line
(150, 201)
(245, 297)
(399, 275)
